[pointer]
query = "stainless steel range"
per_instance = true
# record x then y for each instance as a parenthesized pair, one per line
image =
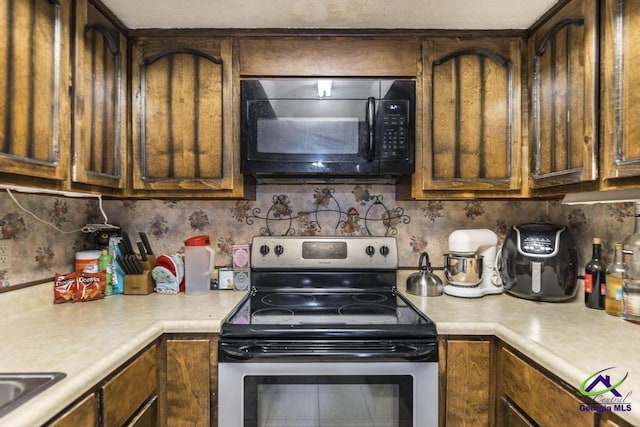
(323, 338)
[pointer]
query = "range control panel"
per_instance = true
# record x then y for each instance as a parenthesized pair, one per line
(323, 253)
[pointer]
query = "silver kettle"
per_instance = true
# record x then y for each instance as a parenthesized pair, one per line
(424, 283)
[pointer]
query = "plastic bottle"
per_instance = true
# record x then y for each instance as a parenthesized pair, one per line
(199, 262)
(615, 273)
(104, 264)
(595, 285)
(631, 281)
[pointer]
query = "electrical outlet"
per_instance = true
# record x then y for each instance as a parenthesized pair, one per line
(5, 253)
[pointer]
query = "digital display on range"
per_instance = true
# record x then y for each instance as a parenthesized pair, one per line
(324, 250)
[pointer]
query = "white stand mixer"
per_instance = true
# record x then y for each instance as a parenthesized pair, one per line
(467, 245)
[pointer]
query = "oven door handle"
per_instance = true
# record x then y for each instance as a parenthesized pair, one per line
(409, 352)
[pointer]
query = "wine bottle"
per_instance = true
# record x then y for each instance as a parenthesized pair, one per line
(615, 273)
(595, 280)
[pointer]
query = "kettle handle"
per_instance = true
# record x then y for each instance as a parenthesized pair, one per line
(424, 257)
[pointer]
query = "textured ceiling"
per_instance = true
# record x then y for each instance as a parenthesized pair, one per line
(330, 14)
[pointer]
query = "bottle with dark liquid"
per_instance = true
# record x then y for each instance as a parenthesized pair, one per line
(595, 278)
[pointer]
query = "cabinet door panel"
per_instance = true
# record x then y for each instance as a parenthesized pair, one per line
(472, 133)
(99, 121)
(511, 416)
(620, 97)
(188, 382)
(543, 400)
(130, 388)
(468, 383)
(182, 96)
(563, 90)
(34, 82)
(83, 414)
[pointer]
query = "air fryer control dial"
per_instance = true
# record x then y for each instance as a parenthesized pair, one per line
(538, 239)
(535, 245)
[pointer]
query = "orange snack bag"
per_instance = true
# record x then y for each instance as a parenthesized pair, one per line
(64, 287)
(91, 286)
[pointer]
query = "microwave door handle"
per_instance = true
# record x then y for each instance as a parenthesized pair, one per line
(371, 117)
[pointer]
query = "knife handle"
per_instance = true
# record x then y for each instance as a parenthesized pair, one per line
(145, 242)
(141, 248)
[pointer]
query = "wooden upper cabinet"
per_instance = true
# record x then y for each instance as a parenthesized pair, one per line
(34, 83)
(563, 60)
(99, 137)
(471, 135)
(329, 56)
(182, 106)
(620, 71)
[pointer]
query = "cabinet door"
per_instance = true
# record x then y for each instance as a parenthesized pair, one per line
(563, 56)
(130, 388)
(467, 382)
(182, 110)
(511, 416)
(543, 400)
(99, 137)
(191, 371)
(620, 75)
(34, 86)
(147, 416)
(472, 122)
(83, 414)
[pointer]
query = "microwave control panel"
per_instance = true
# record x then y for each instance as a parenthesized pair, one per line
(393, 129)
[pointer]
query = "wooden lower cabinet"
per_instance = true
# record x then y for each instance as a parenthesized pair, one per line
(511, 415)
(537, 398)
(82, 414)
(191, 379)
(128, 393)
(127, 397)
(466, 381)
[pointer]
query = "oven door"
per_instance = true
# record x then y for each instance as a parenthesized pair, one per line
(345, 394)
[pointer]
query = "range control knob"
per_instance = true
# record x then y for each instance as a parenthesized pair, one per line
(279, 250)
(384, 250)
(264, 250)
(370, 250)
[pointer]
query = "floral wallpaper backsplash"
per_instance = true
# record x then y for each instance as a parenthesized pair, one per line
(39, 251)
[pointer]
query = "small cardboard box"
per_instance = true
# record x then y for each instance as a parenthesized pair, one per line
(225, 278)
(241, 256)
(241, 279)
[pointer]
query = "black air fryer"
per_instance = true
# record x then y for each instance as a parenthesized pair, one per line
(539, 262)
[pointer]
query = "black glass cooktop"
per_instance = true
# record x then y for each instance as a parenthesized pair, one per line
(317, 308)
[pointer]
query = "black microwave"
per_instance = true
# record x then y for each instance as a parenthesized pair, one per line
(327, 129)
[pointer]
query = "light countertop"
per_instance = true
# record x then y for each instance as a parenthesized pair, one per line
(89, 340)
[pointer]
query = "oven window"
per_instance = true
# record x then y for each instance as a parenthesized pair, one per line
(328, 401)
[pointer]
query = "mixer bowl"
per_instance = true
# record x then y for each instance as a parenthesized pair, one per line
(463, 269)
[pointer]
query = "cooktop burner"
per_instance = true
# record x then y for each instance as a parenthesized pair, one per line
(288, 300)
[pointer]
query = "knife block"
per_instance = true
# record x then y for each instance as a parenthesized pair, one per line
(141, 284)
